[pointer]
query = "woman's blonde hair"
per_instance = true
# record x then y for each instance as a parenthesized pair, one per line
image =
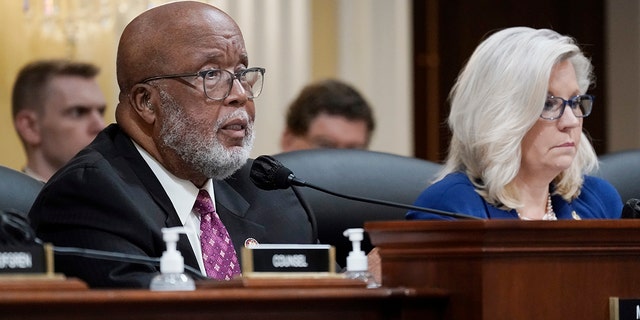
(498, 97)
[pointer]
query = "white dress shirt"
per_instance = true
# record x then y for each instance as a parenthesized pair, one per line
(182, 194)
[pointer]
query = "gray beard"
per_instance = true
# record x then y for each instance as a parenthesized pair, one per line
(203, 153)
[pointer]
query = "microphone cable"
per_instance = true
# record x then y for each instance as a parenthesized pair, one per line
(117, 256)
(15, 230)
(296, 181)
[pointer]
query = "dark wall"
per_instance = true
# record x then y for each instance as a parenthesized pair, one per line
(447, 31)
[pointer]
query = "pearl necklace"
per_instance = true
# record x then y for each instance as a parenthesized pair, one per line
(548, 215)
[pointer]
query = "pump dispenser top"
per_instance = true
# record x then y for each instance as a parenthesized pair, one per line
(357, 259)
(172, 260)
(172, 276)
(357, 264)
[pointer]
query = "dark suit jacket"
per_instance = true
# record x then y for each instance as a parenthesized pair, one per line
(107, 198)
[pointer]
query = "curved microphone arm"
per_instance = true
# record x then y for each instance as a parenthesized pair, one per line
(297, 182)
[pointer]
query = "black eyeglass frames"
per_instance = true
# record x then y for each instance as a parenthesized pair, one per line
(217, 83)
(581, 106)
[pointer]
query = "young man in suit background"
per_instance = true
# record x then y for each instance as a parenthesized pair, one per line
(58, 109)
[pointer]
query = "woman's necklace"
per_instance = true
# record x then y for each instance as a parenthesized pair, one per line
(548, 215)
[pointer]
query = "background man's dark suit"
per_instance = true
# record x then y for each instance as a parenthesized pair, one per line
(108, 198)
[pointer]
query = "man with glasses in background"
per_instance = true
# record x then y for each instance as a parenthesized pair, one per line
(177, 156)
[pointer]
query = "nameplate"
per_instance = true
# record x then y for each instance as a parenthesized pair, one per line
(624, 309)
(28, 259)
(279, 259)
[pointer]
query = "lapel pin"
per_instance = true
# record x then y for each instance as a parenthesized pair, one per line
(251, 243)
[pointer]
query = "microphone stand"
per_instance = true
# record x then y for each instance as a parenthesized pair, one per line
(310, 215)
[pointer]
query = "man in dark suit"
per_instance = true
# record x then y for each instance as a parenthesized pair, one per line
(184, 125)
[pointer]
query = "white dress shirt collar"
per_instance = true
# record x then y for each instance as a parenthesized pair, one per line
(182, 194)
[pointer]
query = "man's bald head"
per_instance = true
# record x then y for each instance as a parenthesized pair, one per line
(171, 117)
(153, 42)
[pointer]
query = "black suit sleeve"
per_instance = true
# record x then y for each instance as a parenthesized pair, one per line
(89, 206)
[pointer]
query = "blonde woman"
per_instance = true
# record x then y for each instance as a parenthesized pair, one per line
(518, 150)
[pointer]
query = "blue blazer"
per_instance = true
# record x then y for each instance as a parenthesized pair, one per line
(455, 193)
(107, 198)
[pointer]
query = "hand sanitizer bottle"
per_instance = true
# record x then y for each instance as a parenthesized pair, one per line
(172, 276)
(357, 264)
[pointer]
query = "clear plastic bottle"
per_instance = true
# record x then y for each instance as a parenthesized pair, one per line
(357, 264)
(172, 276)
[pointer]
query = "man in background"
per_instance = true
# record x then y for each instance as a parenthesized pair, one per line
(58, 109)
(328, 114)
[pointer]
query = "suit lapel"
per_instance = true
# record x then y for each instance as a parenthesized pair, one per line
(149, 181)
(145, 175)
(232, 208)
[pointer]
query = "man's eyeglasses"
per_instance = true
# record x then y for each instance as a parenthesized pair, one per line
(217, 83)
(581, 106)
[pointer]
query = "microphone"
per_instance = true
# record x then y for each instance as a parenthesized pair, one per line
(267, 173)
(14, 228)
(631, 209)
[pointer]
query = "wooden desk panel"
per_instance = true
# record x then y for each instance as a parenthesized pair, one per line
(259, 301)
(502, 269)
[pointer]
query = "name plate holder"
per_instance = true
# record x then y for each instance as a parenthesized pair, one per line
(624, 309)
(289, 260)
(26, 260)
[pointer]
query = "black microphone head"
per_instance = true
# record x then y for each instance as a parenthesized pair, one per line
(631, 209)
(15, 228)
(267, 173)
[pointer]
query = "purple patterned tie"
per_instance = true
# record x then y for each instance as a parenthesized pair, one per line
(220, 260)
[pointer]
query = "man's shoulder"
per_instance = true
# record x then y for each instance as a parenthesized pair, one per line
(110, 144)
(111, 139)
(241, 181)
(110, 164)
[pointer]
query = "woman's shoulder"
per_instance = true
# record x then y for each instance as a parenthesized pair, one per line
(453, 193)
(598, 184)
(600, 197)
(453, 180)
(454, 184)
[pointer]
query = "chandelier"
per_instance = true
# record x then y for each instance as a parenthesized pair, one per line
(71, 21)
